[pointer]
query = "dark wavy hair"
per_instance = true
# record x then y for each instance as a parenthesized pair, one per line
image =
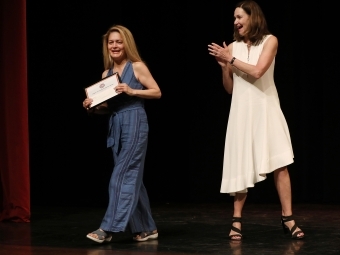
(257, 28)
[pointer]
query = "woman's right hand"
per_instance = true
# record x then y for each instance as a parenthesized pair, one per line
(87, 103)
(221, 53)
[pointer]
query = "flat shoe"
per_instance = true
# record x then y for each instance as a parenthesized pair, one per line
(144, 236)
(102, 236)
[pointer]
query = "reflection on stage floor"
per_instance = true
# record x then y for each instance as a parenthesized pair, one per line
(183, 229)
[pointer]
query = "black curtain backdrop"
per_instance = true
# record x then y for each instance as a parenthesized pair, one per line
(70, 164)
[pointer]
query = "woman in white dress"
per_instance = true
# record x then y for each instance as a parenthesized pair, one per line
(257, 140)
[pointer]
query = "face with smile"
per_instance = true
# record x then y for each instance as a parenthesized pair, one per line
(115, 46)
(241, 21)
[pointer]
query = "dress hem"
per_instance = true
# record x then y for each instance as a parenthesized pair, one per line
(261, 177)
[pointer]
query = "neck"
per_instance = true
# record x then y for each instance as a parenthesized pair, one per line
(246, 40)
(119, 63)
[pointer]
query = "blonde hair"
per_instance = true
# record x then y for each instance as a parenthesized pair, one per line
(130, 46)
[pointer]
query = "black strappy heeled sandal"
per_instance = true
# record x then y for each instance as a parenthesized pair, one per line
(235, 229)
(286, 230)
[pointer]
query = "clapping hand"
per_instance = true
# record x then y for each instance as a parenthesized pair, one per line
(221, 54)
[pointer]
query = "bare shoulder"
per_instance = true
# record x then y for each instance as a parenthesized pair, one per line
(272, 40)
(271, 45)
(104, 74)
(139, 66)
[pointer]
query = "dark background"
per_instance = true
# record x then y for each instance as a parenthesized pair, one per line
(69, 161)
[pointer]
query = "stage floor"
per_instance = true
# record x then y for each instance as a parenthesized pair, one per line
(183, 229)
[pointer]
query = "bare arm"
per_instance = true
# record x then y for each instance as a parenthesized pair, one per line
(265, 59)
(227, 72)
(143, 75)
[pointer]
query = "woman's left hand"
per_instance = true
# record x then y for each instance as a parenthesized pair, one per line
(123, 87)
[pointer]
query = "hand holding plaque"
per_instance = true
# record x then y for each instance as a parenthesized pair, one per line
(103, 90)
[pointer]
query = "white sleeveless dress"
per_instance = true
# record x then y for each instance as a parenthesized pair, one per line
(257, 140)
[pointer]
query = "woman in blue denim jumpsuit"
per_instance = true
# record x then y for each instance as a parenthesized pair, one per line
(127, 137)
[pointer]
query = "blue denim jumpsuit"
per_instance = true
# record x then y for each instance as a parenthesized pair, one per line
(127, 137)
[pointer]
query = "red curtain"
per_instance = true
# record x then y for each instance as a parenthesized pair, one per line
(14, 146)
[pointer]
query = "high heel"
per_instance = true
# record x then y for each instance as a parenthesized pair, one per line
(286, 230)
(235, 229)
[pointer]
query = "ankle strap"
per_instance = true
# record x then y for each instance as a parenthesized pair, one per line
(237, 219)
(287, 218)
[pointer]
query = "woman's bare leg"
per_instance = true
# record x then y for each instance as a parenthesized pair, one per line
(283, 186)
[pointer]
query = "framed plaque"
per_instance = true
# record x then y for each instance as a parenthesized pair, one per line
(103, 90)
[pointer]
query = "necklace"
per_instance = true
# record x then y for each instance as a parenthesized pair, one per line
(248, 46)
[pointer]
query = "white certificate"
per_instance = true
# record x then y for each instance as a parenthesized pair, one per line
(103, 90)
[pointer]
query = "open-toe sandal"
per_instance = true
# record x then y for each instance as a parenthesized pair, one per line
(235, 229)
(144, 236)
(286, 230)
(101, 237)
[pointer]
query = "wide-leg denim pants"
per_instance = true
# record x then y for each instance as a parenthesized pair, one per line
(128, 199)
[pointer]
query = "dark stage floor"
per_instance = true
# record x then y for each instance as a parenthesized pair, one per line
(183, 229)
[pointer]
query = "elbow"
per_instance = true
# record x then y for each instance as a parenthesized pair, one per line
(159, 95)
(258, 74)
(228, 88)
(154, 94)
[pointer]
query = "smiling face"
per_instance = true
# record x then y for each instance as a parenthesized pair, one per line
(241, 21)
(115, 46)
